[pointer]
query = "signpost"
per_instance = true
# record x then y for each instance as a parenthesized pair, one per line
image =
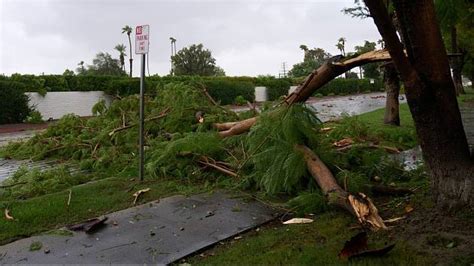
(142, 34)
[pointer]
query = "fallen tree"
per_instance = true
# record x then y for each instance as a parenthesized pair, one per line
(332, 68)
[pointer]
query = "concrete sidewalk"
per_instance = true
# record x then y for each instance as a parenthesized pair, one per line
(159, 232)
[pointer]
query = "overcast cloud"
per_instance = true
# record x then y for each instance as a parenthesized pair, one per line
(246, 37)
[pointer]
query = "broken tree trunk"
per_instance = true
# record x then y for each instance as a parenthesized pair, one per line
(317, 79)
(358, 205)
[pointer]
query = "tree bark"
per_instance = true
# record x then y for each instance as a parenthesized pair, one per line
(431, 97)
(358, 205)
(392, 87)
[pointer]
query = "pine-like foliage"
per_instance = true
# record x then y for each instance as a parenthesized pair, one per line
(178, 157)
(278, 167)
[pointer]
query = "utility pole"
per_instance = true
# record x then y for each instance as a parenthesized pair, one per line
(282, 73)
(173, 52)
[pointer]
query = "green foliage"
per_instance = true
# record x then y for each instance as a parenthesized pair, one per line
(309, 202)
(341, 86)
(34, 117)
(278, 167)
(36, 182)
(370, 70)
(240, 100)
(226, 90)
(13, 102)
(94, 143)
(195, 60)
(104, 64)
(313, 58)
(178, 156)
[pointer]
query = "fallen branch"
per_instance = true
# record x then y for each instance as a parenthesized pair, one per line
(332, 68)
(370, 145)
(222, 168)
(69, 197)
(138, 193)
(163, 114)
(358, 205)
(7, 215)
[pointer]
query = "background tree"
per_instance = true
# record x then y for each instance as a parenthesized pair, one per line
(451, 13)
(391, 79)
(313, 58)
(128, 30)
(195, 60)
(341, 45)
(431, 97)
(104, 64)
(370, 70)
(121, 49)
(81, 70)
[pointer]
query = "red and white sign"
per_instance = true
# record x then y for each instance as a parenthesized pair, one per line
(142, 36)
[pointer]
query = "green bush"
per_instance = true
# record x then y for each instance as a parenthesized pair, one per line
(34, 117)
(240, 100)
(55, 83)
(226, 90)
(341, 86)
(30, 82)
(13, 102)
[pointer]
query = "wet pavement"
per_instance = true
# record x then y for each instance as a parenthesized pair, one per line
(5, 138)
(329, 108)
(159, 232)
(336, 107)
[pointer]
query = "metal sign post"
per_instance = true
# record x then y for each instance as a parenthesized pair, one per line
(142, 34)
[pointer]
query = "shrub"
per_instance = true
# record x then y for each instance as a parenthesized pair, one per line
(13, 102)
(55, 83)
(35, 117)
(226, 90)
(240, 100)
(341, 86)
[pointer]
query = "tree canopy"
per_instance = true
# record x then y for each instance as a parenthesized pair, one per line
(196, 60)
(313, 58)
(102, 64)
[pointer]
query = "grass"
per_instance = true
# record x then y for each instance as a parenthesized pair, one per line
(318, 243)
(50, 211)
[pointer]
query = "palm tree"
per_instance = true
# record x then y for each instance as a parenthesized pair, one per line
(81, 69)
(121, 49)
(341, 43)
(305, 49)
(127, 29)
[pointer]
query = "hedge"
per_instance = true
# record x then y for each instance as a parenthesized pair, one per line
(223, 89)
(342, 86)
(13, 102)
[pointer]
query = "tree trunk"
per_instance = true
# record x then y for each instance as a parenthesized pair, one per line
(130, 59)
(392, 87)
(358, 205)
(456, 63)
(431, 97)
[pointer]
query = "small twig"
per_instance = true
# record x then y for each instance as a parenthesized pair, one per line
(224, 170)
(69, 197)
(163, 114)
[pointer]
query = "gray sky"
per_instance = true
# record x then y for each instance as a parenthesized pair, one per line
(246, 37)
